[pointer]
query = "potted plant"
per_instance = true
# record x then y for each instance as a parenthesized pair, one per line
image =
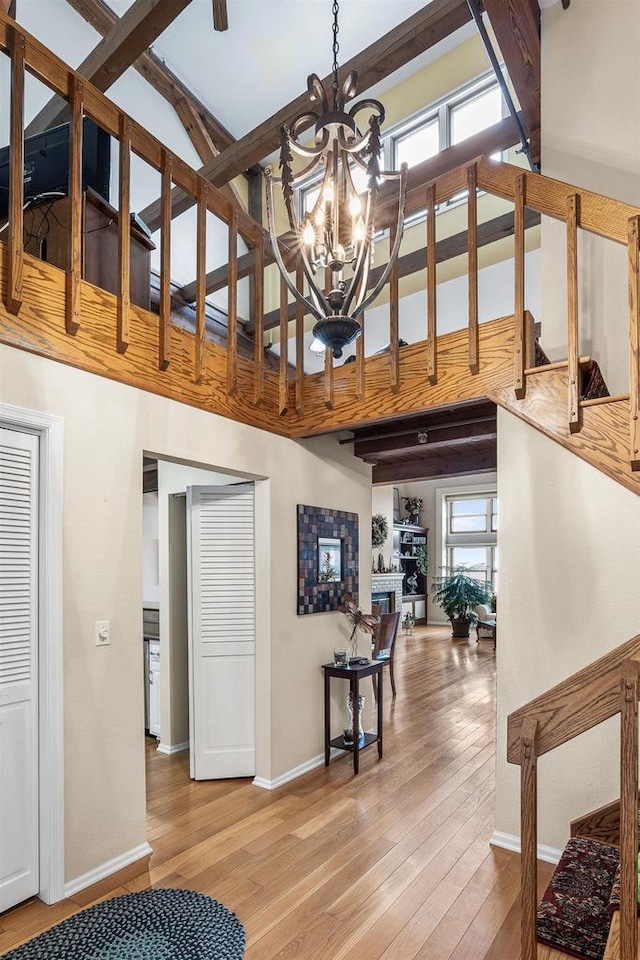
(412, 506)
(459, 593)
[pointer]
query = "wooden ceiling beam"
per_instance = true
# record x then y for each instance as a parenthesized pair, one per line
(516, 25)
(437, 438)
(8, 7)
(479, 458)
(130, 36)
(433, 23)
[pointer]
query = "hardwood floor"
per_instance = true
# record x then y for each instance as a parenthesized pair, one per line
(392, 864)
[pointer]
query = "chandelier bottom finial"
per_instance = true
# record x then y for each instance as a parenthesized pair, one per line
(336, 332)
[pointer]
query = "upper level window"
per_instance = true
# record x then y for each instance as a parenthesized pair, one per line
(475, 113)
(470, 535)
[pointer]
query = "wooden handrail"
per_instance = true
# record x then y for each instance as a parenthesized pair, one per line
(575, 705)
(609, 686)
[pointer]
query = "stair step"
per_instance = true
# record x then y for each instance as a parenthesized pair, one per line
(573, 915)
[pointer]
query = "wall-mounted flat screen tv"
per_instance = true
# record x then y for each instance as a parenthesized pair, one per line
(46, 163)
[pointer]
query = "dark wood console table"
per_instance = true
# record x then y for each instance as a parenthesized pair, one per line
(352, 673)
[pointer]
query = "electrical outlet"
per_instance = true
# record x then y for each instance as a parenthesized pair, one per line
(102, 633)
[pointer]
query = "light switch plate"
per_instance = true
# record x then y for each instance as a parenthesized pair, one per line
(102, 634)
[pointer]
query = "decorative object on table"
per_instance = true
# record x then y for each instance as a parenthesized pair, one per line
(408, 623)
(379, 529)
(340, 657)
(353, 724)
(365, 622)
(149, 925)
(459, 593)
(321, 530)
(335, 239)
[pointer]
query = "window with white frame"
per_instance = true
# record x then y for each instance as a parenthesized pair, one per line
(470, 534)
(467, 111)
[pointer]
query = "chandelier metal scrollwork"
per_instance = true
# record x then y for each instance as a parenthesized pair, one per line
(337, 234)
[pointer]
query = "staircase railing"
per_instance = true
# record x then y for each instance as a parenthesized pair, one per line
(406, 379)
(607, 687)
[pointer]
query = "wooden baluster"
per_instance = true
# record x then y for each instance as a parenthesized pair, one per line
(299, 346)
(16, 153)
(283, 382)
(472, 235)
(328, 379)
(232, 306)
(73, 286)
(572, 312)
(201, 284)
(258, 391)
(529, 838)
(432, 369)
(360, 378)
(394, 325)
(634, 339)
(519, 313)
(328, 356)
(628, 809)
(164, 342)
(124, 238)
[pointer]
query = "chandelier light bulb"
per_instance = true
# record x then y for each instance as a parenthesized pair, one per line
(358, 230)
(354, 206)
(320, 217)
(327, 193)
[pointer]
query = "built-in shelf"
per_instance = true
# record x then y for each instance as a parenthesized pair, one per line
(406, 538)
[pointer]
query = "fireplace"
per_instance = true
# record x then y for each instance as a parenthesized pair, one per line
(385, 600)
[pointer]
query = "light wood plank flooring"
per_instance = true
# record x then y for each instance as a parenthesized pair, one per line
(393, 864)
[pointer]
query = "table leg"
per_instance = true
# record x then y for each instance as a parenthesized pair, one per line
(354, 686)
(327, 720)
(380, 689)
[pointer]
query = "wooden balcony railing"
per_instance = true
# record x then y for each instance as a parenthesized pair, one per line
(150, 352)
(607, 687)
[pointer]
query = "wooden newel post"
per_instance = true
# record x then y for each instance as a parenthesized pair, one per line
(628, 809)
(529, 837)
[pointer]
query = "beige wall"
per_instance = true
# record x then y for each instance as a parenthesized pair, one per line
(590, 138)
(107, 427)
(569, 544)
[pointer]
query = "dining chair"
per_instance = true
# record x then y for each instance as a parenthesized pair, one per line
(384, 641)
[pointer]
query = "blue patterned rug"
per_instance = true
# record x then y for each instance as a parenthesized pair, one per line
(152, 925)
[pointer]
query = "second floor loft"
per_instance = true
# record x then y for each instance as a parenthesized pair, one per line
(447, 338)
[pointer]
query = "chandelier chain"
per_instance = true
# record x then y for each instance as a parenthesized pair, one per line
(336, 47)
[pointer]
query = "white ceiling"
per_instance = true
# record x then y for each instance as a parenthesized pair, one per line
(261, 63)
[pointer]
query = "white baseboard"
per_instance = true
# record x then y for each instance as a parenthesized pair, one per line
(106, 869)
(510, 842)
(170, 748)
(296, 772)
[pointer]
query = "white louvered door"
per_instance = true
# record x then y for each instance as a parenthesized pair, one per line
(221, 589)
(18, 668)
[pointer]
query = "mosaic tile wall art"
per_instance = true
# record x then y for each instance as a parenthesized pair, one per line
(318, 531)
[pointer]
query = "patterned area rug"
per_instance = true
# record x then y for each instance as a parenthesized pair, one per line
(574, 913)
(152, 925)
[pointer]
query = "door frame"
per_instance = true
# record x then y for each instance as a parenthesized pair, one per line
(49, 430)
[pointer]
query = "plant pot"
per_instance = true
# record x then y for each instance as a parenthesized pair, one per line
(414, 520)
(460, 628)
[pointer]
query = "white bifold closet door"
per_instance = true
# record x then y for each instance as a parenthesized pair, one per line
(222, 630)
(18, 667)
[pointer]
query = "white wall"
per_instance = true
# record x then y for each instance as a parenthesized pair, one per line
(382, 502)
(107, 429)
(569, 542)
(150, 568)
(590, 138)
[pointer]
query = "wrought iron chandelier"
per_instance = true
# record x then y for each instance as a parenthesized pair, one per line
(337, 234)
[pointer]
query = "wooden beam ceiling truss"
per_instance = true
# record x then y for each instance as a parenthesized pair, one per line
(220, 16)
(433, 23)
(127, 39)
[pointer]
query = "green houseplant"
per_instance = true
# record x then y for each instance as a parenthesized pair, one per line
(458, 593)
